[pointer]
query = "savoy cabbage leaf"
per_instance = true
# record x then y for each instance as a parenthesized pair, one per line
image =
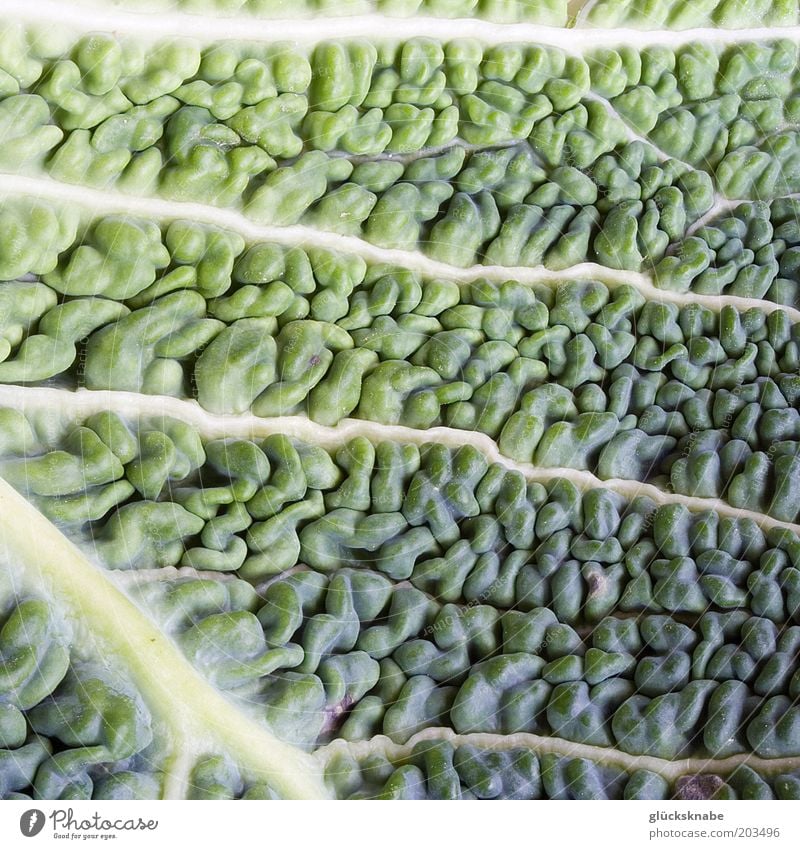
(400, 399)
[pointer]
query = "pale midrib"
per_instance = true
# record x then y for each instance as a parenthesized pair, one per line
(669, 769)
(84, 402)
(210, 28)
(200, 719)
(98, 202)
(424, 152)
(178, 769)
(128, 578)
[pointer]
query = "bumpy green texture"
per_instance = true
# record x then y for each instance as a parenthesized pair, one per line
(388, 589)
(216, 607)
(73, 727)
(510, 154)
(684, 14)
(732, 113)
(70, 728)
(751, 251)
(578, 374)
(438, 770)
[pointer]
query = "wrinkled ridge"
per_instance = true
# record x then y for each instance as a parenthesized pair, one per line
(85, 402)
(158, 24)
(135, 577)
(669, 769)
(97, 201)
(422, 153)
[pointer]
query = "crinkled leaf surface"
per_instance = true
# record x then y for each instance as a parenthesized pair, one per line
(400, 399)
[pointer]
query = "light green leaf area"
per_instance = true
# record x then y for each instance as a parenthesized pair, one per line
(400, 413)
(512, 153)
